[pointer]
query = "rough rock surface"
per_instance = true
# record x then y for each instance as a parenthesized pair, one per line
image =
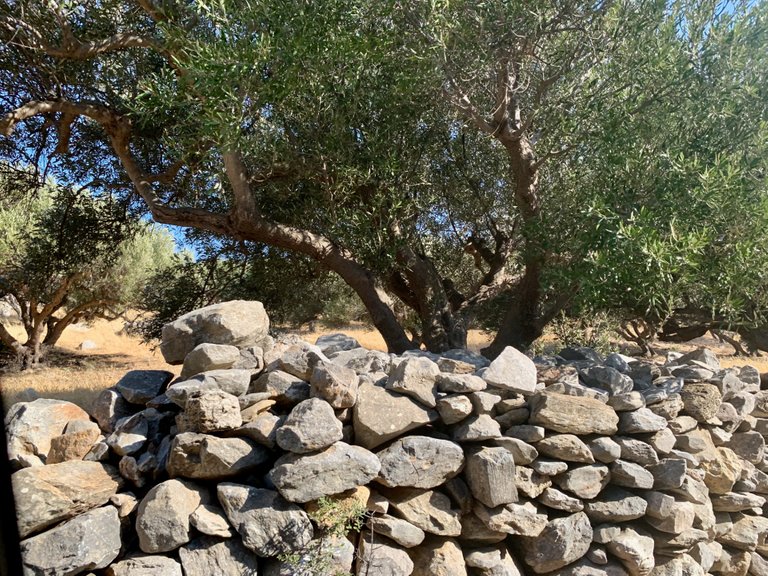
(87, 542)
(46, 495)
(268, 524)
(237, 323)
(419, 462)
(162, 521)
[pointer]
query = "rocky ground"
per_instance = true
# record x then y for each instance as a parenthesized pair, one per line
(291, 458)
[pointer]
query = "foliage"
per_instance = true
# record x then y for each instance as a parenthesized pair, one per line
(335, 517)
(70, 256)
(454, 163)
(591, 330)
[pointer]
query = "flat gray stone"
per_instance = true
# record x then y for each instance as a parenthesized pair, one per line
(417, 378)
(379, 556)
(566, 447)
(429, 510)
(584, 482)
(640, 421)
(46, 495)
(301, 478)
(572, 414)
(88, 542)
(402, 532)
(208, 556)
(141, 386)
(268, 524)
(283, 387)
(615, 505)
(145, 565)
(419, 462)
(207, 457)
(380, 415)
(512, 370)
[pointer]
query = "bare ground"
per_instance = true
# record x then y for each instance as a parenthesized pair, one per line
(79, 376)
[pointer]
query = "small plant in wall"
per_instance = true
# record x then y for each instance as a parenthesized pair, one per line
(335, 517)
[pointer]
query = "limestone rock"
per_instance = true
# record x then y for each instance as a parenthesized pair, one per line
(701, 400)
(416, 377)
(212, 411)
(492, 561)
(490, 474)
(615, 505)
(207, 356)
(634, 550)
(212, 521)
(402, 532)
(722, 467)
(518, 518)
(530, 483)
(237, 323)
(312, 425)
(565, 447)
(207, 556)
(46, 495)
(335, 384)
(30, 426)
(268, 524)
(141, 386)
(331, 343)
(380, 415)
(477, 429)
(73, 445)
(453, 409)
(438, 557)
(301, 478)
(460, 383)
(607, 378)
(512, 370)
(207, 457)
(630, 475)
(557, 500)
(109, 407)
(145, 565)
(419, 462)
(162, 521)
(640, 421)
(563, 540)
(376, 556)
(585, 481)
(605, 450)
(283, 387)
(429, 510)
(88, 542)
(572, 414)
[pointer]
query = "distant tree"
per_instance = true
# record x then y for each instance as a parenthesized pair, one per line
(67, 256)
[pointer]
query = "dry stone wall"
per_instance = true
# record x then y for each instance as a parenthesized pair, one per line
(573, 465)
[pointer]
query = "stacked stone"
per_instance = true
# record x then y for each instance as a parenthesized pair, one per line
(568, 465)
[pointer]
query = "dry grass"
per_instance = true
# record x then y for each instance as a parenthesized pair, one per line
(79, 376)
(76, 376)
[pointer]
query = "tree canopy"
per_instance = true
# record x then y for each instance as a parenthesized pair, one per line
(454, 157)
(67, 256)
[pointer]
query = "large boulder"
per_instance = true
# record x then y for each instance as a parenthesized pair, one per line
(420, 462)
(268, 524)
(207, 457)
(88, 542)
(573, 414)
(380, 415)
(49, 494)
(305, 477)
(238, 323)
(162, 522)
(512, 370)
(30, 426)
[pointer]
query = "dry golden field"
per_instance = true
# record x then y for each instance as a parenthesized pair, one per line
(78, 376)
